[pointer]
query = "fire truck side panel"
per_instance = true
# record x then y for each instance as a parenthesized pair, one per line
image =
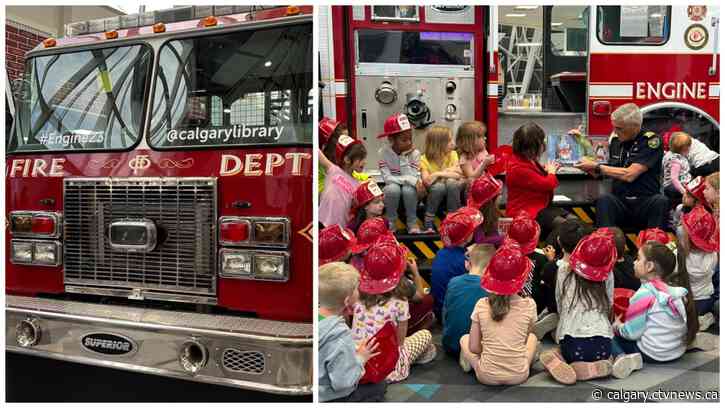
(655, 74)
(274, 181)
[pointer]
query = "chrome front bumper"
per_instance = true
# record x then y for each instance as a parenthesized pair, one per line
(256, 354)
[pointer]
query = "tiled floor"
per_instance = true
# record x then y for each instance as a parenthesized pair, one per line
(443, 380)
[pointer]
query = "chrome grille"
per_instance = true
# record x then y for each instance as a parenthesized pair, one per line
(184, 211)
(248, 362)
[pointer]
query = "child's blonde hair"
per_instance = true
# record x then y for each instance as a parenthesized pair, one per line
(714, 180)
(480, 255)
(467, 135)
(679, 141)
(337, 281)
(436, 143)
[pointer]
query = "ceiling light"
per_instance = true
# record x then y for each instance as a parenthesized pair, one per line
(526, 7)
(655, 15)
(268, 64)
(556, 24)
(516, 15)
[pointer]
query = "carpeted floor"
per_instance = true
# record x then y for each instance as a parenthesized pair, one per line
(443, 381)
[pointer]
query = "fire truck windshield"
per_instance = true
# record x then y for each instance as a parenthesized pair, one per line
(83, 100)
(246, 87)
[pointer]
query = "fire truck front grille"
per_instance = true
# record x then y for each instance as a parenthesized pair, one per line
(184, 212)
(247, 362)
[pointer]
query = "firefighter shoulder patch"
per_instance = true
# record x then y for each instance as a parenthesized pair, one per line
(653, 142)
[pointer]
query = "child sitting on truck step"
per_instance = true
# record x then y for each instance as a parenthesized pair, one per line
(441, 174)
(471, 148)
(329, 133)
(341, 363)
(400, 167)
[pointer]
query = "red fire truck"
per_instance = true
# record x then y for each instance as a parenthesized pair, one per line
(158, 196)
(560, 66)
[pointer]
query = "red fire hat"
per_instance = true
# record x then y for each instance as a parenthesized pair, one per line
(526, 231)
(594, 256)
(383, 266)
(327, 128)
(652, 234)
(702, 229)
(483, 189)
(370, 230)
(395, 123)
(335, 242)
(344, 142)
(366, 192)
(459, 225)
(507, 271)
(696, 187)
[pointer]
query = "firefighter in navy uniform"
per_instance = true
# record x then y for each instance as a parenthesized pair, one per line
(635, 165)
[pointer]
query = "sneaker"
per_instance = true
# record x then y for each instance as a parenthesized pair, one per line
(557, 367)
(545, 325)
(706, 321)
(428, 355)
(465, 365)
(625, 364)
(429, 225)
(704, 341)
(591, 370)
(542, 314)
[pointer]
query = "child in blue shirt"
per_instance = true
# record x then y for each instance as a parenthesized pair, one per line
(456, 232)
(462, 295)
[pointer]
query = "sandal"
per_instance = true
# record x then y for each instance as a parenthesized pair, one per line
(557, 367)
(586, 370)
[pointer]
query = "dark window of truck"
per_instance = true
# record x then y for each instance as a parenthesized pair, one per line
(83, 100)
(633, 25)
(408, 47)
(251, 87)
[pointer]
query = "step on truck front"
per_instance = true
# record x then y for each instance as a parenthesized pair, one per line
(263, 355)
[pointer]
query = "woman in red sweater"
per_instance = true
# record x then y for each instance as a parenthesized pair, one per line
(530, 185)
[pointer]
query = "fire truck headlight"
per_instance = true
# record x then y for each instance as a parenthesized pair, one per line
(271, 232)
(236, 264)
(46, 253)
(271, 267)
(22, 252)
(27, 332)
